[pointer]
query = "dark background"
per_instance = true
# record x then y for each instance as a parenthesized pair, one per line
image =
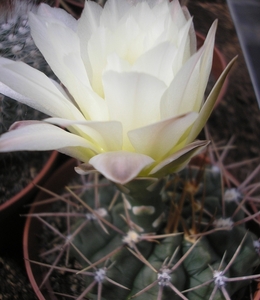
(238, 113)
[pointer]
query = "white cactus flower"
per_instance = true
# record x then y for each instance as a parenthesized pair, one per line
(132, 93)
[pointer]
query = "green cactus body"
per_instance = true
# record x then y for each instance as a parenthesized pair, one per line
(199, 259)
(205, 291)
(129, 258)
(161, 252)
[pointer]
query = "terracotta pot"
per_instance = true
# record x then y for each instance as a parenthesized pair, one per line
(257, 293)
(33, 226)
(25, 195)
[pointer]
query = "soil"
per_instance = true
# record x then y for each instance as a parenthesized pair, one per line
(13, 282)
(17, 170)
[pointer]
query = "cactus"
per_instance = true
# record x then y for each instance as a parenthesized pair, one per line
(183, 237)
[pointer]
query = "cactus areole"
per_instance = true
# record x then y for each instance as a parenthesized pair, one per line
(195, 252)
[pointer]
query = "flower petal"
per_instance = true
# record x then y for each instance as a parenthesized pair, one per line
(177, 13)
(178, 160)
(57, 15)
(42, 136)
(117, 64)
(158, 139)
(209, 103)
(30, 86)
(87, 25)
(120, 166)
(158, 62)
(133, 99)
(186, 92)
(99, 133)
(113, 12)
(187, 16)
(206, 63)
(55, 41)
(85, 169)
(99, 46)
(183, 86)
(185, 46)
(89, 21)
(61, 48)
(90, 103)
(105, 43)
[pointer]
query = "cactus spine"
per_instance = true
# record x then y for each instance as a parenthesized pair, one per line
(196, 246)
